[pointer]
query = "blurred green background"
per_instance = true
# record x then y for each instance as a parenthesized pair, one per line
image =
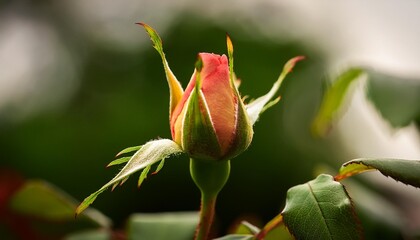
(79, 82)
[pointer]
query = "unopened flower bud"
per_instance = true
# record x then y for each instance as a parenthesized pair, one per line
(210, 121)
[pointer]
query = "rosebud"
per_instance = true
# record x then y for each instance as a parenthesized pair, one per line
(210, 120)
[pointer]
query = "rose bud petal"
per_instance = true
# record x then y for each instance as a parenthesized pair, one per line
(210, 121)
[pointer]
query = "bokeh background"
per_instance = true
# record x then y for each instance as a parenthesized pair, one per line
(79, 81)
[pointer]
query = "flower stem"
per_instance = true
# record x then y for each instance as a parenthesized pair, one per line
(275, 222)
(206, 217)
(210, 177)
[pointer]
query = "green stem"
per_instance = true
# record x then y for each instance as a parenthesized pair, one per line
(210, 177)
(206, 217)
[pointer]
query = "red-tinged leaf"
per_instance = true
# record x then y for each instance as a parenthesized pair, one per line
(406, 171)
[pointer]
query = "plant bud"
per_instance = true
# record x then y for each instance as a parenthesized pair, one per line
(210, 120)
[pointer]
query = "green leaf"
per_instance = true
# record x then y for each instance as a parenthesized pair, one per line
(175, 87)
(149, 154)
(44, 201)
(256, 107)
(320, 209)
(279, 232)
(273, 230)
(236, 237)
(396, 97)
(406, 171)
(375, 211)
(333, 100)
(163, 226)
(246, 228)
(128, 150)
(90, 235)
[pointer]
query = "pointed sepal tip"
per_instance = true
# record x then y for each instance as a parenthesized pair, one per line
(288, 67)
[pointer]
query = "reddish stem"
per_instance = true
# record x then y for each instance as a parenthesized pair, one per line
(276, 221)
(208, 204)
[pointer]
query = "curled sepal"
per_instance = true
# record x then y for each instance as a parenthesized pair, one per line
(149, 154)
(256, 107)
(175, 87)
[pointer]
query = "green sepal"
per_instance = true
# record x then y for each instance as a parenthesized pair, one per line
(256, 107)
(128, 150)
(149, 154)
(333, 100)
(159, 167)
(143, 175)
(244, 131)
(118, 161)
(198, 66)
(232, 76)
(270, 104)
(199, 137)
(175, 87)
